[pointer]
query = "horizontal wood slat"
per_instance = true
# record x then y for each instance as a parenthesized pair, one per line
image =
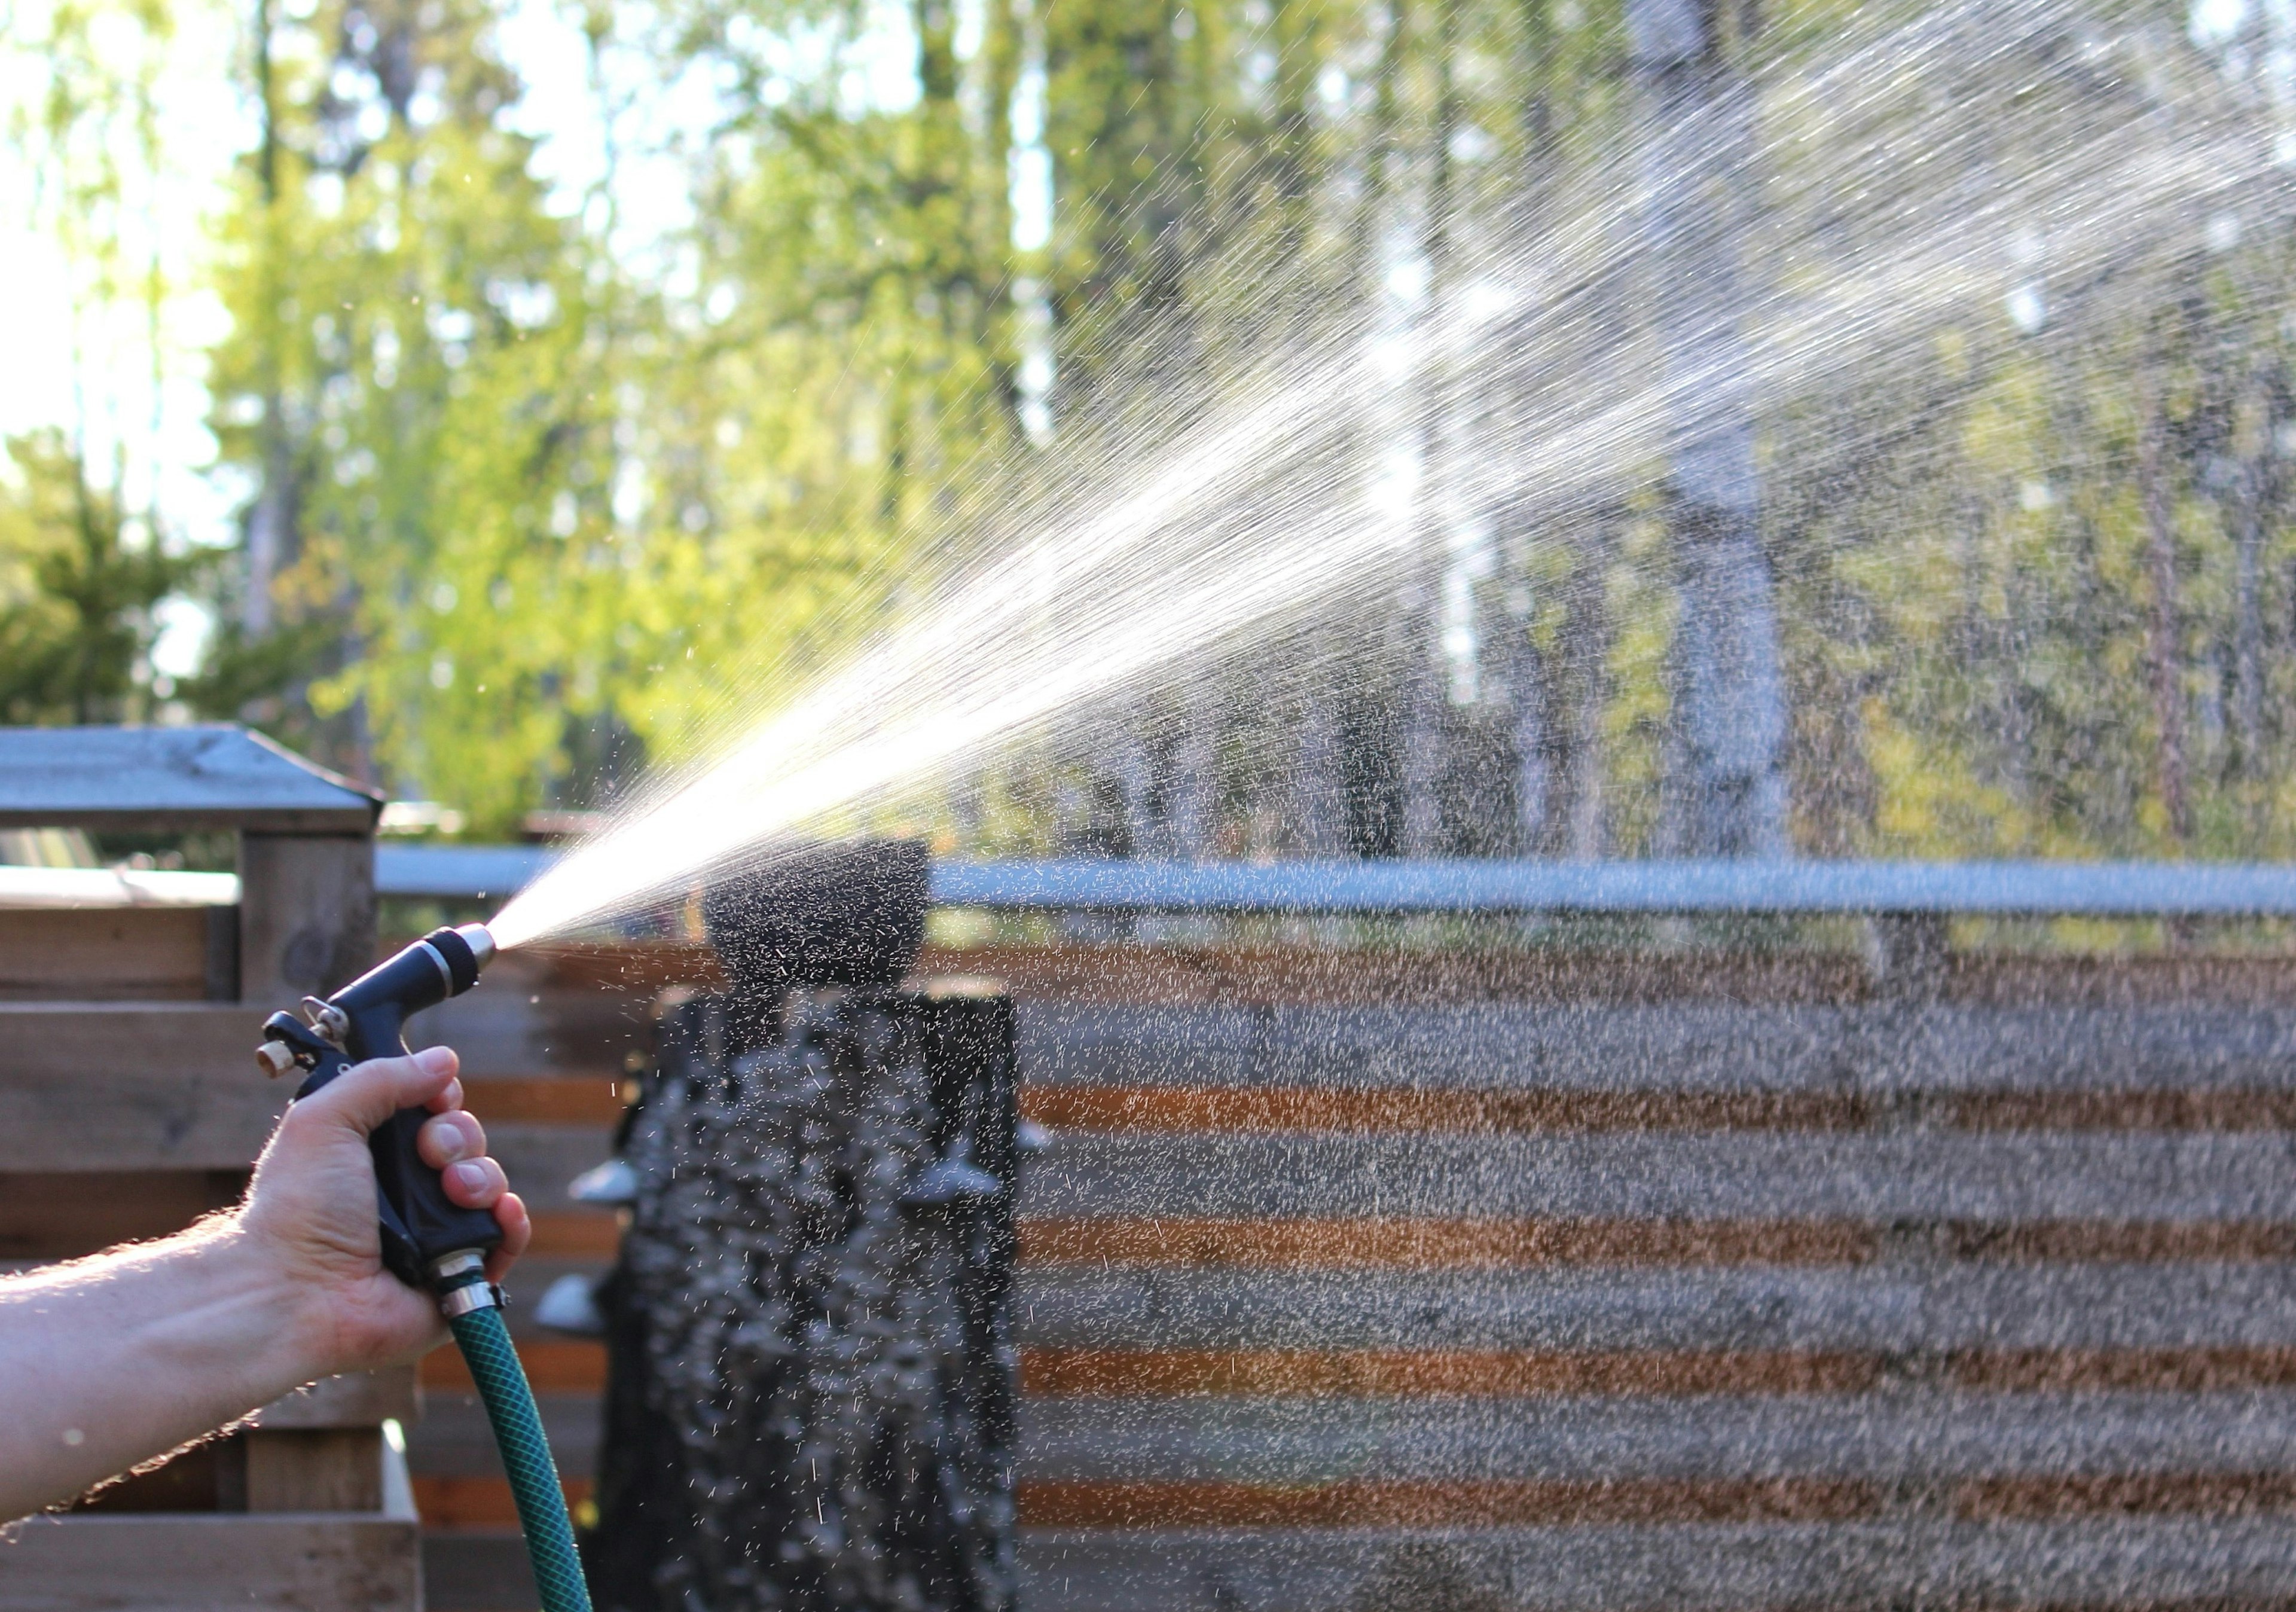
(1120, 1504)
(578, 1366)
(1411, 1242)
(275, 1562)
(1918, 1175)
(121, 954)
(1918, 1434)
(127, 1086)
(2181, 1563)
(1892, 1307)
(1181, 1110)
(480, 1502)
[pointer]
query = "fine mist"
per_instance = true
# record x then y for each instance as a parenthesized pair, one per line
(1896, 223)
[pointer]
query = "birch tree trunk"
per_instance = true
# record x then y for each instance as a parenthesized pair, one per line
(2164, 636)
(1730, 695)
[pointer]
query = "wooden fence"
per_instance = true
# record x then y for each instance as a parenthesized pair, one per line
(1373, 1279)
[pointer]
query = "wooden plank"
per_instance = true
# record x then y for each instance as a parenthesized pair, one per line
(1424, 1242)
(62, 1214)
(1912, 1175)
(457, 1440)
(307, 914)
(161, 780)
(541, 1161)
(1912, 1434)
(536, 1014)
(131, 1086)
(480, 1502)
(1175, 1110)
(2229, 1564)
(356, 1399)
(1407, 1373)
(1307, 975)
(1373, 1504)
(1898, 1309)
(1822, 1050)
(284, 1562)
(554, 1365)
(116, 954)
(314, 1469)
(593, 1100)
(477, 1570)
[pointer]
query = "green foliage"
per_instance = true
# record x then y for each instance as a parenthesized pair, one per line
(538, 509)
(77, 590)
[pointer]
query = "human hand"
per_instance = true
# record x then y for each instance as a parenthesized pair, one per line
(310, 1211)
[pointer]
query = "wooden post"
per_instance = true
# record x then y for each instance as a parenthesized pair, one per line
(127, 1041)
(305, 914)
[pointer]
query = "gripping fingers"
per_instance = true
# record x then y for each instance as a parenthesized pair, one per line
(447, 1137)
(518, 1231)
(475, 1183)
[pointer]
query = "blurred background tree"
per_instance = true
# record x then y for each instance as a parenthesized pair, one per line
(523, 491)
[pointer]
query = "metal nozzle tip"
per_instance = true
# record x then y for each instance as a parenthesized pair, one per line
(481, 944)
(274, 1058)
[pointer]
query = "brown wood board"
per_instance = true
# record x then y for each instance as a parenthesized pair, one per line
(281, 1562)
(132, 1086)
(104, 954)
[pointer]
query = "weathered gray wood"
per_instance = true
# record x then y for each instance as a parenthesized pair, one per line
(540, 1160)
(314, 1469)
(1677, 1046)
(130, 1086)
(106, 955)
(1910, 1435)
(456, 1441)
(476, 1570)
(284, 1562)
(307, 914)
(1860, 1175)
(1681, 1567)
(168, 779)
(357, 1399)
(1752, 1308)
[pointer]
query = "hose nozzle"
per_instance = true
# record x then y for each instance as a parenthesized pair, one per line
(367, 1019)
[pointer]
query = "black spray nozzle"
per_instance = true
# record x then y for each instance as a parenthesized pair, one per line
(367, 1019)
(851, 914)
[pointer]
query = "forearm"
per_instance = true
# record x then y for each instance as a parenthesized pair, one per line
(109, 1362)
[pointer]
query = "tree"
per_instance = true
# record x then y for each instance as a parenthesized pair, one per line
(1695, 164)
(76, 592)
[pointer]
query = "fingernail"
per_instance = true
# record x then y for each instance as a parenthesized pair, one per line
(472, 1176)
(452, 1141)
(435, 1061)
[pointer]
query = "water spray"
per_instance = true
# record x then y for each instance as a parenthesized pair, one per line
(430, 1242)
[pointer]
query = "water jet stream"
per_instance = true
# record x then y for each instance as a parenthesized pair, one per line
(1307, 493)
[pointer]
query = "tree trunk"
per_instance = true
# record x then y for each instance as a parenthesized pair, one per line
(1695, 172)
(2163, 647)
(1425, 705)
(2256, 498)
(1587, 648)
(1194, 790)
(1528, 691)
(1319, 809)
(271, 523)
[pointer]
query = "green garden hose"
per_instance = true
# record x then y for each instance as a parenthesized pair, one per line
(534, 1485)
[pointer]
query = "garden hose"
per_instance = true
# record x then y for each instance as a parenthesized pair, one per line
(485, 1343)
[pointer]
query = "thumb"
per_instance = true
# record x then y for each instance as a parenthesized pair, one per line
(366, 1094)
